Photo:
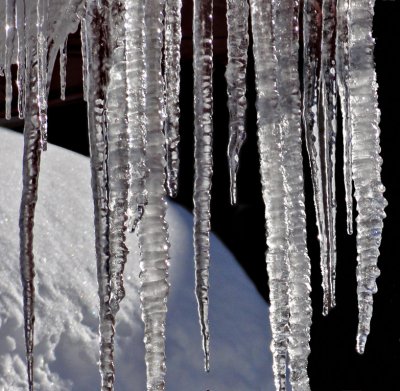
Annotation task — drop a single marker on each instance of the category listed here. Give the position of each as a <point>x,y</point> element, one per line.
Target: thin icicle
<point>9,51</point>
<point>84,58</point>
<point>42,50</point>
<point>237,16</point>
<point>286,33</point>
<point>342,67</point>
<point>20,24</point>
<point>118,158</point>
<point>366,161</point>
<point>270,147</point>
<point>318,102</point>
<point>30,172</point>
<point>136,88</point>
<point>203,112</point>
<point>98,64</point>
<point>153,229</point>
<point>172,54</point>
<point>63,69</point>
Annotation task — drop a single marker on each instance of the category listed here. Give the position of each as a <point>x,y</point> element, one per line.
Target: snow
<point>66,340</point>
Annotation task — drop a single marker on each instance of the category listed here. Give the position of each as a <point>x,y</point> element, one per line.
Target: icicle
<point>270,147</point>
<point>342,61</point>
<point>20,24</point>
<point>42,50</point>
<point>238,42</point>
<point>203,87</point>
<point>30,172</point>
<point>366,161</point>
<point>9,50</point>
<point>84,58</point>
<point>153,229</point>
<point>173,37</point>
<point>98,63</point>
<point>285,15</point>
<point>136,87</point>
<point>63,68</point>
<point>319,105</point>
<point>118,162</point>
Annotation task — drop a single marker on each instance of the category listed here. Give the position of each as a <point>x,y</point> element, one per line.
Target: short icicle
<point>172,55</point>
<point>136,118</point>
<point>286,14</point>
<point>10,8</point>
<point>63,69</point>
<point>42,51</point>
<point>21,58</point>
<point>319,132</point>
<point>366,160</point>
<point>97,80</point>
<point>342,68</point>
<point>203,114</point>
<point>270,147</point>
<point>153,228</point>
<point>237,16</point>
<point>84,58</point>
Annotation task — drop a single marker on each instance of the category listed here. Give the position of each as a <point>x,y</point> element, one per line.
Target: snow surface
<point>66,342</point>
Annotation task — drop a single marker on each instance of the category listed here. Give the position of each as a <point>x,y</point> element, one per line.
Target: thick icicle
<point>42,50</point>
<point>98,63</point>
<point>9,50</point>
<point>136,88</point>
<point>270,147</point>
<point>203,107</point>
<point>237,16</point>
<point>286,32</point>
<point>30,172</point>
<point>63,69</point>
<point>319,105</point>
<point>118,158</point>
<point>172,55</point>
<point>20,24</point>
<point>153,229</point>
<point>342,67</point>
<point>366,161</point>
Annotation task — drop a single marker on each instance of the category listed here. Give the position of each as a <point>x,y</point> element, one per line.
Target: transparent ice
<point>133,121</point>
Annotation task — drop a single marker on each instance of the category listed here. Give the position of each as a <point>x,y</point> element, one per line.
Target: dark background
<point>334,364</point>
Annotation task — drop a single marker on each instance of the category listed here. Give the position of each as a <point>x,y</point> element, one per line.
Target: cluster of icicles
<point>131,67</point>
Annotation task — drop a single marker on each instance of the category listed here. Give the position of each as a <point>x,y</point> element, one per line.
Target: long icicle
<point>270,148</point>
<point>237,16</point>
<point>153,228</point>
<point>172,54</point>
<point>285,15</point>
<point>318,141</point>
<point>137,122</point>
<point>366,161</point>
<point>97,55</point>
<point>203,114</point>
<point>342,67</point>
<point>30,174</point>
<point>328,128</point>
<point>118,162</point>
